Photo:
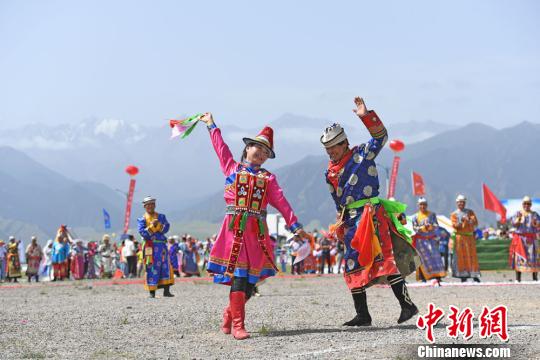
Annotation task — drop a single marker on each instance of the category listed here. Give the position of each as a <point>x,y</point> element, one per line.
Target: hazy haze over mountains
<point>71,173</point>
<point>174,171</point>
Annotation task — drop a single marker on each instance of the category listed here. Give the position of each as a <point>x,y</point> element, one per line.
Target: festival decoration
<point>182,128</point>
<point>132,171</point>
<point>396,146</point>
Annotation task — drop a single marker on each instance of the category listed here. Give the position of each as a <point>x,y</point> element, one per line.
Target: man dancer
<point>153,227</point>
<point>364,223</point>
<point>465,260</point>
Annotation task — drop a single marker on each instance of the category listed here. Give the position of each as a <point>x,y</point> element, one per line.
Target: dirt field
<point>294,318</point>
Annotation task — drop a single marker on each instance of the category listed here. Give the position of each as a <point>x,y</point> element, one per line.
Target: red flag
<point>492,203</point>
<point>419,189</point>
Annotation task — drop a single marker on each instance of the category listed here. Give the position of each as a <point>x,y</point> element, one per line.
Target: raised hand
<point>207,119</point>
<point>361,108</point>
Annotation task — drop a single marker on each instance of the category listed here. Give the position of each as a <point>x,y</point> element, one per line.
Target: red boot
<point>238,312</point>
<point>227,320</point>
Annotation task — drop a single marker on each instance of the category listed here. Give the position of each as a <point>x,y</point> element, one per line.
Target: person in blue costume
<point>173,254</point>
<point>376,252</point>
<point>426,242</point>
<point>159,271</point>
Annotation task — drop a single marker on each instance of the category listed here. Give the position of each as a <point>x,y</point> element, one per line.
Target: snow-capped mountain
<point>91,132</point>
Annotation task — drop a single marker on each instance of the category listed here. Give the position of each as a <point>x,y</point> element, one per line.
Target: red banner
<point>393,177</point>
<point>492,203</point>
<point>419,189</point>
<point>128,205</point>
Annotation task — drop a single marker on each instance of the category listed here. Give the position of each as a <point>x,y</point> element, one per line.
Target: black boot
<point>362,317</point>
<point>152,294</point>
<point>518,276</point>
<point>408,309</point>
<point>535,276</point>
<point>463,280</point>
<point>476,279</point>
<point>167,292</point>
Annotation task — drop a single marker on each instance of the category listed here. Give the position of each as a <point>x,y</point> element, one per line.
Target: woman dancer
<point>242,254</point>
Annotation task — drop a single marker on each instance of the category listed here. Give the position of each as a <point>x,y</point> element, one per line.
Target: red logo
<point>493,322</point>
<point>490,322</point>
<point>461,322</point>
<point>429,321</point>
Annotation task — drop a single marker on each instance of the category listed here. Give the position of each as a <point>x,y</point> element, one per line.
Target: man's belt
<point>391,207</point>
<point>232,210</point>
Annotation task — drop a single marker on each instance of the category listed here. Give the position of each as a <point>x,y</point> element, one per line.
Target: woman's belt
<point>232,210</point>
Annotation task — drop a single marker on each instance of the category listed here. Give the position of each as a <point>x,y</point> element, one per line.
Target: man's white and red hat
<point>265,138</point>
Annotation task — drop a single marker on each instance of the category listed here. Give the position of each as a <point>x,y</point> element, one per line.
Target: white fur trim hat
<point>421,200</point>
<point>148,200</point>
<point>333,135</point>
<point>461,198</point>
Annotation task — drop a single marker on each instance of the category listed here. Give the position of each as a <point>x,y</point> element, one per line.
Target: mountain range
<point>67,174</point>
<point>37,200</point>
<point>177,172</point>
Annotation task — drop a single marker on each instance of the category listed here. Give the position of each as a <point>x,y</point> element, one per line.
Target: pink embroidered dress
<point>243,247</point>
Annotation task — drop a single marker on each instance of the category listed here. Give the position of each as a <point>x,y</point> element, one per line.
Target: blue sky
<point>250,62</point>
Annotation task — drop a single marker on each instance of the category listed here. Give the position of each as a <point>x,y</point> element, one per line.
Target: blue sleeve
<point>141,227</point>
<point>434,219</point>
<point>372,148</point>
<point>165,223</point>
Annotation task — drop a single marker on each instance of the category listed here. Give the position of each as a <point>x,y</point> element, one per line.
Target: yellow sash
<point>149,223</point>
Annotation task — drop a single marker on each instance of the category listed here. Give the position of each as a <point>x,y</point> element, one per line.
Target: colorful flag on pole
<point>419,189</point>
<point>492,203</point>
<point>106,219</point>
<point>182,128</point>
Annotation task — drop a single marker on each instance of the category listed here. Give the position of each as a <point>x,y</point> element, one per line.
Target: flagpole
<point>412,183</point>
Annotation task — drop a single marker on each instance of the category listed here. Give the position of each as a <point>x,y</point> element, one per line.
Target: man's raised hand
<point>361,108</point>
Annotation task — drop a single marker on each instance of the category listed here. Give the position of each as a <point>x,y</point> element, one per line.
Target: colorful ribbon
<point>184,127</point>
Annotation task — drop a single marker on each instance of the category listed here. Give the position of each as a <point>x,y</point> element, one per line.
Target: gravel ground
<point>294,318</point>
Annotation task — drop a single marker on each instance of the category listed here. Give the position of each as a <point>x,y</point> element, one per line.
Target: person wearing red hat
<point>243,254</point>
